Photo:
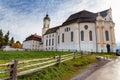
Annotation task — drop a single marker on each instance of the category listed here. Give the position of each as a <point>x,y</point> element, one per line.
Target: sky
<point>25,17</point>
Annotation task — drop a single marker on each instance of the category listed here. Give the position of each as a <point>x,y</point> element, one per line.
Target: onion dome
<point>46,17</point>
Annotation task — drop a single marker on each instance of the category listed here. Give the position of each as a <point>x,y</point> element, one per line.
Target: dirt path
<point>110,71</point>
<point>92,68</point>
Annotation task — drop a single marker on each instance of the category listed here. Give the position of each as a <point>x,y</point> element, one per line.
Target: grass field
<point>65,71</point>
<point>108,55</point>
<point>7,56</point>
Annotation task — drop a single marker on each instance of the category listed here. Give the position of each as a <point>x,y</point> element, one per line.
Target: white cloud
<point>66,9</point>
<point>73,6</point>
<point>22,26</point>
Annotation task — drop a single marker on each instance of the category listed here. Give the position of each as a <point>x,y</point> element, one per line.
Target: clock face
<point>86,26</point>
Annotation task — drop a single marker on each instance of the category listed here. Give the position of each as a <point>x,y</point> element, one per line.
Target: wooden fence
<point>18,68</point>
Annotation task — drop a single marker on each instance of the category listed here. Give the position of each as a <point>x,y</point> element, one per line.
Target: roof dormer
<point>99,17</point>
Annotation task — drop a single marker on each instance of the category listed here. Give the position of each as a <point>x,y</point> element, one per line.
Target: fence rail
<point>19,68</point>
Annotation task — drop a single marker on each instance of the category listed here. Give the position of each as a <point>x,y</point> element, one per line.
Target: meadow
<point>8,56</point>
<point>108,55</point>
<point>65,71</point>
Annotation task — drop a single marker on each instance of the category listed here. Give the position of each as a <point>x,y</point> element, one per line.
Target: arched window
<point>49,42</point>
<point>90,35</point>
<point>58,39</point>
<point>67,29</point>
<point>72,36</point>
<point>107,35</point>
<point>52,41</point>
<point>48,26</point>
<point>46,42</point>
<point>62,37</point>
<point>82,36</point>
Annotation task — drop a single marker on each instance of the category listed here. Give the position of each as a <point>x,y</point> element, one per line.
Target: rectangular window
<point>52,41</point>
<point>52,48</point>
<point>53,35</point>
<point>62,37</point>
<point>71,36</point>
<point>90,35</point>
<point>58,39</point>
<point>107,35</point>
<point>46,42</point>
<point>49,42</point>
<point>82,36</point>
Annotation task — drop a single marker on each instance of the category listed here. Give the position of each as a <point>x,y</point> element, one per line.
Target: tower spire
<point>46,24</point>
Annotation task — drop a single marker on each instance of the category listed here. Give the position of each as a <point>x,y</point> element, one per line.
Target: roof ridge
<point>102,11</point>
<point>81,12</point>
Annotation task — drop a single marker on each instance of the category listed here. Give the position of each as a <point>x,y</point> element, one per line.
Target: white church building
<point>82,31</point>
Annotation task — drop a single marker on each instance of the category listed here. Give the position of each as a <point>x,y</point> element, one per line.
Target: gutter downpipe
<point>96,37</point>
<point>79,35</point>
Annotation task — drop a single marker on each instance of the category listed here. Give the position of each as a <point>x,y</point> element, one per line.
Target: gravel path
<point>92,68</point>
<point>110,71</point>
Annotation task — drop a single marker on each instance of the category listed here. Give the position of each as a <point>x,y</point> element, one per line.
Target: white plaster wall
<point>77,44</point>
<point>88,45</point>
<point>47,37</point>
<point>68,44</point>
<point>32,45</point>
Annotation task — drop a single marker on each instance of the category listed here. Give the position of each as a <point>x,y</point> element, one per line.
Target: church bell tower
<point>46,24</point>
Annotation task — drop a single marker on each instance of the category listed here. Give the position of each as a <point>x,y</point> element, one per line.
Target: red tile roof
<point>52,30</point>
<point>33,37</point>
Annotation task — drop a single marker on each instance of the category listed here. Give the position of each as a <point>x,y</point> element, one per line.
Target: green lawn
<point>65,71</point>
<point>7,56</point>
<point>108,55</point>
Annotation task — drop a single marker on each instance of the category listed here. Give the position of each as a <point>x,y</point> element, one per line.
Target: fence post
<point>13,70</point>
<point>81,54</point>
<point>74,55</point>
<point>58,60</point>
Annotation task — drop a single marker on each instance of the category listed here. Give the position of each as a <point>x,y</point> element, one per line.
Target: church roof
<point>52,30</point>
<point>84,16</point>
<point>33,37</point>
<point>104,13</point>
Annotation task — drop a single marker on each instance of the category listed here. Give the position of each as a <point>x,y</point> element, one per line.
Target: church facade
<point>82,31</point>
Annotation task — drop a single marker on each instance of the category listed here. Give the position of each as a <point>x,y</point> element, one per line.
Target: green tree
<point>11,41</point>
<point>1,38</point>
<point>6,38</point>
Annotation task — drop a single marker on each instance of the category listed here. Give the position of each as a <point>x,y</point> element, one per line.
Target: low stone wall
<point>7,48</point>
